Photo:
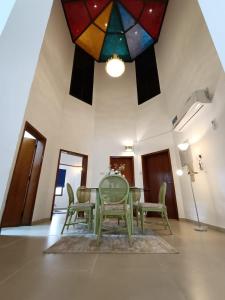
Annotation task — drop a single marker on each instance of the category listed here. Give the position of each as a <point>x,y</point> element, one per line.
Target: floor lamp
<point>199,227</point>
<point>186,158</point>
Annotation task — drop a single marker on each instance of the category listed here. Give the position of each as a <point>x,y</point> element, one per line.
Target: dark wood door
<point>33,185</point>
<point>128,162</point>
<point>19,184</point>
<point>157,169</point>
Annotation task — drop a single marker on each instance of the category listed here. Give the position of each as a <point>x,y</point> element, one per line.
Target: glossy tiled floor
<point>197,273</point>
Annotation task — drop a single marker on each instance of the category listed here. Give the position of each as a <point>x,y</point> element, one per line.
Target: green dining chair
<point>159,207</point>
<point>113,199</point>
<point>84,199</point>
<point>83,205</point>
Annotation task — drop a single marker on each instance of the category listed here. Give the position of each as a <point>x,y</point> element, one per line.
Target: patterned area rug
<point>114,240</point>
<point>112,244</point>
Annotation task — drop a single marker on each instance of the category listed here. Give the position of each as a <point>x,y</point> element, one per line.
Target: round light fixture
<point>115,67</point>
<point>179,172</point>
<point>183,146</point>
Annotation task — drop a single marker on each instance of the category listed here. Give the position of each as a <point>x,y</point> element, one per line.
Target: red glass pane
<point>134,7</point>
<point>95,7</point>
<point>77,17</point>
<point>152,17</point>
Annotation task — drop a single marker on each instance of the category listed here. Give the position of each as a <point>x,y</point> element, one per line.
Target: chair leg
<point>89,219</point>
<point>128,223</point>
<point>99,229</point>
<point>64,224</point>
<point>75,218</point>
<point>164,220</point>
<point>142,221</point>
<point>92,218</point>
<point>70,217</point>
<point>167,221</point>
<point>137,220</point>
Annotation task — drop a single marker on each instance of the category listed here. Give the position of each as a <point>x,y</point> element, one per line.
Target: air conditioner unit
<point>191,108</point>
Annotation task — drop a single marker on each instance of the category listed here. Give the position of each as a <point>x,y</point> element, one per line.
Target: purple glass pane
<point>138,40</point>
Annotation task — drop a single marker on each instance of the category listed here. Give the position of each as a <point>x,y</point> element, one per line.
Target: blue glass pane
<point>61,176</point>
<point>138,40</point>
<point>127,19</point>
<point>115,44</point>
<point>115,24</point>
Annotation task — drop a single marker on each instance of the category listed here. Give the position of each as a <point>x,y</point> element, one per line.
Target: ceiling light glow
<point>115,67</point>
<point>183,146</point>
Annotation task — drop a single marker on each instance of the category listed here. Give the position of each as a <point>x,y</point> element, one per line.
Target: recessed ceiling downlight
<point>115,67</point>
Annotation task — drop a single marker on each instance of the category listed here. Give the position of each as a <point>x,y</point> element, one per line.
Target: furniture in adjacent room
<point>159,207</point>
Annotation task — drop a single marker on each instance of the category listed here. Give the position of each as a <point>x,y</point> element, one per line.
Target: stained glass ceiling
<point>123,27</point>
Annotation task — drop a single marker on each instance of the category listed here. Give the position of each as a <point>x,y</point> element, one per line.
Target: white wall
<point>213,12</point>
<point>187,61</point>
<point>20,44</point>
<point>5,10</point>
<point>115,103</point>
<point>66,122</point>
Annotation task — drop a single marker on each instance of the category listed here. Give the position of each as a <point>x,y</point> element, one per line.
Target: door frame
<point>42,140</point>
<point>132,160</point>
<point>144,172</point>
<point>83,175</point>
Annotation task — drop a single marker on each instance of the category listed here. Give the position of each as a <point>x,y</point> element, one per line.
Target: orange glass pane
<point>91,41</point>
<point>103,20</point>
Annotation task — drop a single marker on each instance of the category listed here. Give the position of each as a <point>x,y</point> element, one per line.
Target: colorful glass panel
<point>138,40</point>
<point>91,41</point>
<point>127,19</point>
<point>115,44</point>
<point>152,17</point>
<point>103,20</point>
<point>135,7</point>
<point>95,7</point>
<point>115,24</point>
<point>97,25</point>
<point>78,22</point>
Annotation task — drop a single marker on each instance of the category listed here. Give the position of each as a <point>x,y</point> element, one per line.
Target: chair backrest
<point>113,189</point>
<point>162,193</point>
<point>136,194</point>
<point>70,193</point>
<point>83,194</point>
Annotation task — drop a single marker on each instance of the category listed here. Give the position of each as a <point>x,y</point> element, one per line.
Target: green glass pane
<point>115,44</point>
<point>115,24</point>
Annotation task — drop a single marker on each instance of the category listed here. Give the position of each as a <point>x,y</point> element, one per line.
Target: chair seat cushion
<point>83,206</point>
<point>114,209</point>
<point>149,206</point>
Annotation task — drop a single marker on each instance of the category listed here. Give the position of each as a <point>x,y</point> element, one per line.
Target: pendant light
<point>115,66</point>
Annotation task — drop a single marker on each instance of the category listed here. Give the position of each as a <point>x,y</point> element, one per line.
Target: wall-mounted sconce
<point>180,172</point>
<point>183,146</point>
<point>129,148</point>
<point>200,163</point>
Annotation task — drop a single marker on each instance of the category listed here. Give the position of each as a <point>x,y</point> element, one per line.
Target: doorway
<point>128,163</point>
<point>157,169</point>
<point>24,183</point>
<point>72,168</point>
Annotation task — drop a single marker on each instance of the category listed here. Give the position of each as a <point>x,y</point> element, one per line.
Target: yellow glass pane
<point>91,41</point>
<point>103,20</point>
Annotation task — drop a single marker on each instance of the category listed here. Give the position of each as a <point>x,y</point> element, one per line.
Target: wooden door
<point>19,184</point>
<point>156,169</point>
<point>128,162</point>
<point>33,185</point>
